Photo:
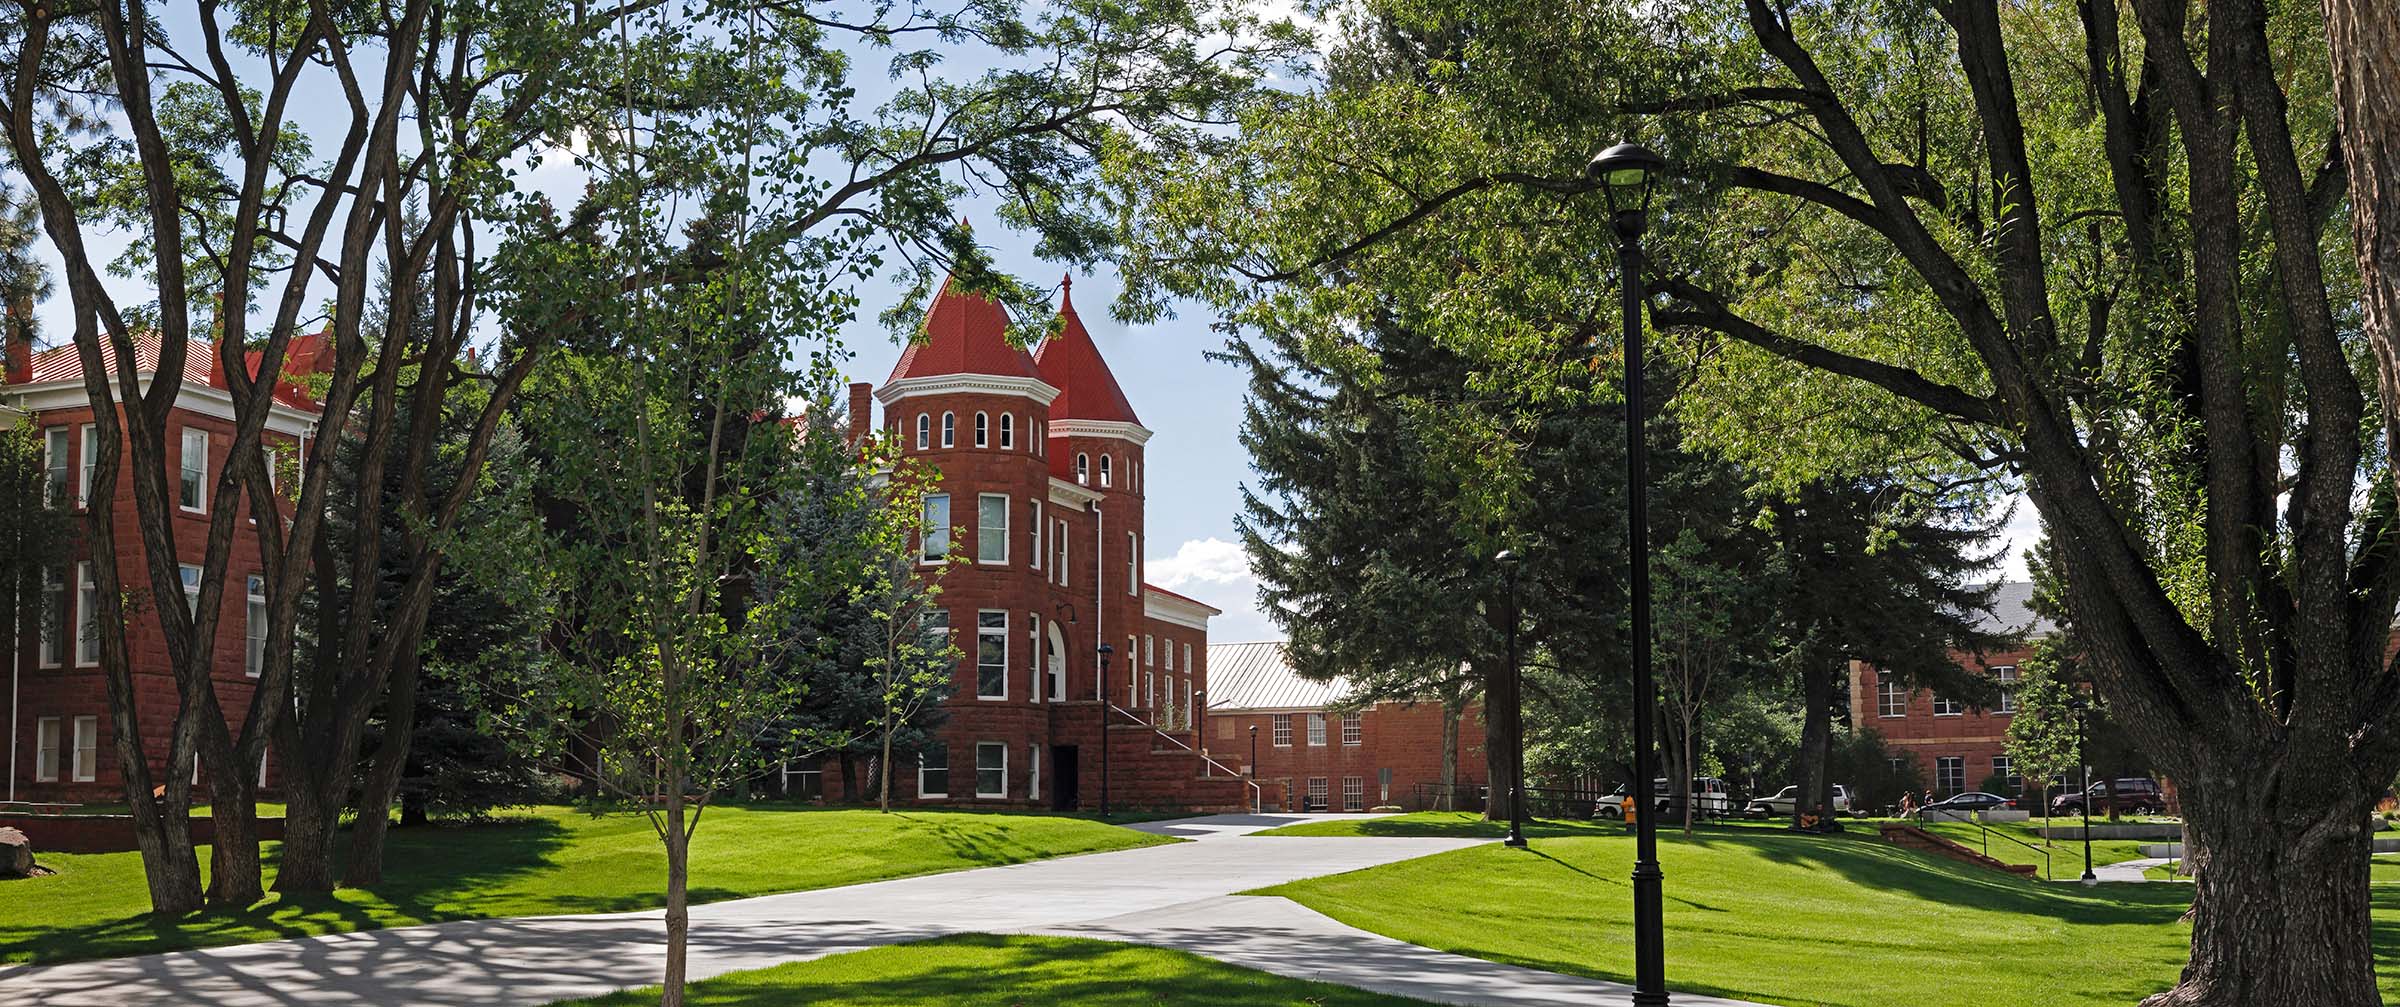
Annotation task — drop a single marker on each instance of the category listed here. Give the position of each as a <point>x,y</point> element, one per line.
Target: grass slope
<point>548,861</point>
<point>1783,918</point>
<point>987,969</point>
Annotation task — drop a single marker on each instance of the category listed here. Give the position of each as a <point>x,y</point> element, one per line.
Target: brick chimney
<point>862,411</point>
<point>17,331</point>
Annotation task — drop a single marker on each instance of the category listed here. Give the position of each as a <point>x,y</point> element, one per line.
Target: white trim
<point>1119,429</point>
<point>1002,793</point>
<point>56,750</point>
<point>1066,493</point>
<point>1007,522</point>
<point>82,771</point>
<point>999,632</point>
<point>85,614</point>
<point>924,794</point>
<point>972,384</point>
<point>206,400</point>
<point>183,466</point>
<point>1167,608</point>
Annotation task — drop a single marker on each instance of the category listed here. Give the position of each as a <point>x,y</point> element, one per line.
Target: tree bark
<point>1816,744</point>
<point>1500,727</point>
<point>679,916</point>
<point>1450,716</point>
<point>383,774</point>
<point>2364,39</point>
<point>234,878</point>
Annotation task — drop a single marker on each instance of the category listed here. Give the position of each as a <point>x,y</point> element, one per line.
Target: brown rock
<point>16,854</point>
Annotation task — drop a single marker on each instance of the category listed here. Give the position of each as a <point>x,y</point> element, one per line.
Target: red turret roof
<point>964,334</point>
<point>1070,362</point>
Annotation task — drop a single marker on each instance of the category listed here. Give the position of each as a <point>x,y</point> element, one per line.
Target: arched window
<point>1103,470</point>
<point>1008,431</point>
<point>1083,467</point>
<point>949,430</point>
<point>924,431</point>
<point>983,430</point>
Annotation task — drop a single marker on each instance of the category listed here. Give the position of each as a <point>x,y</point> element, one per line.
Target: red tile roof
<point>1071,362</point>
<point>964,334</point>
<point>306,354</point>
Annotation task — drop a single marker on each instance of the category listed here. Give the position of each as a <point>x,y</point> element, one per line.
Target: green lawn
<point>546,861</point>
<point>1767,915</point>
<point>986,969</point>
<point>1445,824</point>
<point>2066,855</point>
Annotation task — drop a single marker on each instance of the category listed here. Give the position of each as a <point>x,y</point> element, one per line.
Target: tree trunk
<point>2280,904</point>
<point>1450,715</point>
<point>1816,741</point>
<point>384,771</point>
<point>1684,779</point>
<point>679,916</point>
<point>883,766</point>
<point>2365,41</point>
<point>1500,724</point>
<point>310,821</point>
<point>234,879</point>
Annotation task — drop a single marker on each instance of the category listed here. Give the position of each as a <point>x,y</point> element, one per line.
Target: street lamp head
<point>1627,173</point>
<point>1254,730</point>
<point>1507,557</point>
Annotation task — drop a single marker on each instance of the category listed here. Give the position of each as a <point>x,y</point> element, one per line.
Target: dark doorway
<point>1064,792</point>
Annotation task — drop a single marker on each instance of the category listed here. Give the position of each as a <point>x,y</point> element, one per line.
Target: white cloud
<point>1216,572</point>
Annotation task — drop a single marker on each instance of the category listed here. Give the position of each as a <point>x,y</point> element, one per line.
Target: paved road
<point>1171,896</point>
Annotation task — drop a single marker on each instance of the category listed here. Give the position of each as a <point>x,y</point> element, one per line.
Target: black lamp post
<point>1105,651</point>
<point>1255,793</point>
<point>1508,562</point>
<point>2083,717</point>
<point>1628,174</point>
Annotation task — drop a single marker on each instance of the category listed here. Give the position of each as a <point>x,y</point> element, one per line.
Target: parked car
<point>1710,799</point>
<point>1780,803</point>
<point>1971,801</point>
<point>2135,795</point>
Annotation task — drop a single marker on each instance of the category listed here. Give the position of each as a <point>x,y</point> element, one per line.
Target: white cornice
<point>1067,494</point>
<point>967,384</point>
<point>203,399</point>
<point>1181,611</point>
<point>9,416</point>
<point>1120,429</point>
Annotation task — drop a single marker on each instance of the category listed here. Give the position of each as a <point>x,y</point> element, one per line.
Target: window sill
<point>990,797</point>
<point>991,699</point>
<point>1891,716</point>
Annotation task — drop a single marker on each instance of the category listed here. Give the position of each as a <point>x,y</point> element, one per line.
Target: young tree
<point>2041,735</point>
<point>239,229</point>
<point>1708,628</point>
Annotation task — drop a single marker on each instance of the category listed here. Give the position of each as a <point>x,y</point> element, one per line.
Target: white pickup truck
<point>1780,803</point>
<point>1710,799</point>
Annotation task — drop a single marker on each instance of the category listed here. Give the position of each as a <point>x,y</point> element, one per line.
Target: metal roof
<point>2012,611</point>
<point>1254,676</point>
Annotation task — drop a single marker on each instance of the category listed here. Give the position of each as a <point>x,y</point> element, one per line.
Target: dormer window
<point>924,431</point>
<point>949,430</point>
<point>1083,468</point>
<point>1008,431</point>
<point>1104,471</point>
<point>983,430</point>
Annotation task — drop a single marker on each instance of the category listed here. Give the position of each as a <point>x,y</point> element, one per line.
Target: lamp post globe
<point>1105,707</point>
<point>1628,176</point>
<point>1508,562</point>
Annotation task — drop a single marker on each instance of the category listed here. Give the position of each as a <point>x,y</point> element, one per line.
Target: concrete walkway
<point>1175,896</point>
<point>2128,870</point>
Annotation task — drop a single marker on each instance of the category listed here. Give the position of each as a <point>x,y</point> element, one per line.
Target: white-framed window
<point>1133,560</point>
<point>54,617</point>
<point>1282,725</point>
<point>1008,431</point>
<point>1354,793</point>
<point>1891,698</point>
<point>1149,649</point>
<point>924,431</point>
<point>87,615</point>
<point>1061,568</point>
<point>1167,655</point>
<point>991,769</point>
<point>1033,771</point>
<point>1033,661</point>
<point>936,533</point>
<point>191,588</point>
<point>1040,447</point>
<point>1187,659</point>
<point>991,655</point>
<point>1150,689</point>
<point>1944,706</point>
<point>949,430</point>
<point>254,636</point>
<point>1383,783</point>
<point>91,459</point>
<point>1897,765</point>
<point>2006,769</point>
<point>983,430</point>
<point>192,490</point>
<point>934,628</point>
<point>1033,535</point>
<point>2006,675</point>
<point>1316,730</point>
<point>55,465</point>
<point>1083,468</point>
<point>1354,730</point>
<point>933,771</point>
<point>1104,471</point>
<point>87,749</point>
<point>991,528</point>
<point>1316,794</point>
<point>1950,774</point>
<point>45,750</point>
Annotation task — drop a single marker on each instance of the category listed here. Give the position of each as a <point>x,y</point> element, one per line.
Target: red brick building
<point>1957,745</point>
<point>61,744</point>
<point>1042,479</point>
<point>1316,757</point>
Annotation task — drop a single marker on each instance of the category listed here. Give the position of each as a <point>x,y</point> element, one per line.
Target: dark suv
<point>2135,795</point>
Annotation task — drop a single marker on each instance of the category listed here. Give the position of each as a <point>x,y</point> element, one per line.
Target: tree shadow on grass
<point>1871,863</point>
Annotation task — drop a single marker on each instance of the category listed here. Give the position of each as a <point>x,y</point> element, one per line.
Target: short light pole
<point>1508,563</point>
<point>1105,706</point>
<point>1628,175</point>
<point>2082,717</point>
<point>1257,797</point>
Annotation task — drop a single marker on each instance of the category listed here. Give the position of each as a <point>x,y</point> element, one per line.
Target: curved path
<point>1176,896</point>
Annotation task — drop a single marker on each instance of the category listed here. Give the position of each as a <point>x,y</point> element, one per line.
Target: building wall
<point>1974,736</point>
<point>73,688</point>
<point>1405,739</point>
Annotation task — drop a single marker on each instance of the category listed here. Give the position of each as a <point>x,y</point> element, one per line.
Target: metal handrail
<point>1257,793</point>
<point>1987,846</point>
